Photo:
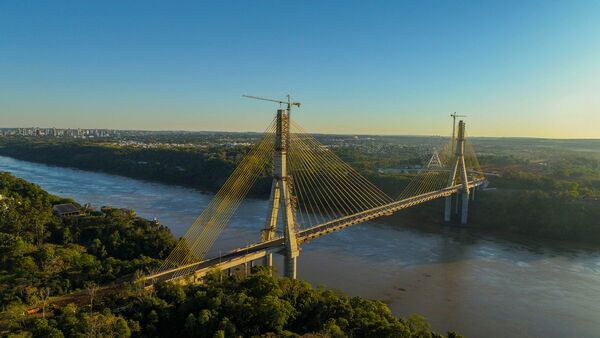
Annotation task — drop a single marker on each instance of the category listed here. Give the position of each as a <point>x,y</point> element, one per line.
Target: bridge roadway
<point>193,272</point>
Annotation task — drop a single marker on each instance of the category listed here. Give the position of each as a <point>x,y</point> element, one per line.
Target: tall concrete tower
<point>281,198</point>
<point>458,169</point>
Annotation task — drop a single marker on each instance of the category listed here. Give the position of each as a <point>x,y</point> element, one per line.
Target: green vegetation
<point>40,251</point>
<point>546,188</point>
<point>541,205</point>
<point>46,258</point>
<point>251,306</point>
<point>199,168</point>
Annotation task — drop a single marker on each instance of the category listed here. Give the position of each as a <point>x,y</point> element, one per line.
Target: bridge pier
<point>268,260</point>
<point>291,244</point>
<point>290,265</point>
<point>271,224</point>
<point>464,208</point>
<point>448,209</point>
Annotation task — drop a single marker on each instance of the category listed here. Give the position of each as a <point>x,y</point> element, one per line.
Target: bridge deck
<point>259,250</point>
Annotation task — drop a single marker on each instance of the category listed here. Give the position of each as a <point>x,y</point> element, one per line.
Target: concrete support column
<point>464,208</point>
<point>271,224</point>
<point>268,260</point>
<point>456,203</point>
<point>290,264</point>
<point>448,209</point>
<point>289,235</point>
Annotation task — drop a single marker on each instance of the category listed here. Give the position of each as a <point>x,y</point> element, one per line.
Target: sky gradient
<point>516,68</point>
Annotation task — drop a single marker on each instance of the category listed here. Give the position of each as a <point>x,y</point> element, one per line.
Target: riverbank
<point>524,204</point>
<point>60,266</point>
<point>459,279</point>
<point>204,170</point>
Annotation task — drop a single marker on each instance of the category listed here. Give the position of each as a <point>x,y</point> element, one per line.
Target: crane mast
<point>454,116</point>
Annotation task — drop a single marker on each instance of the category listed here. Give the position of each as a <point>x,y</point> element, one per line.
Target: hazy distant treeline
<point>205,169</point>
<point>544,192</point>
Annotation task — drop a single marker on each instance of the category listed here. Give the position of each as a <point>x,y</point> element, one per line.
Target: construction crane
<point>454,116</point>
<point>289,102</point>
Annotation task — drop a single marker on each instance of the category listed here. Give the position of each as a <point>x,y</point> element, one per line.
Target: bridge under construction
<point>313,193</point>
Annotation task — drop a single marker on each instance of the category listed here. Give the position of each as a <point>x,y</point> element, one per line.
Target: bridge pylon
<point>281,198</point>
<point>458,169</point>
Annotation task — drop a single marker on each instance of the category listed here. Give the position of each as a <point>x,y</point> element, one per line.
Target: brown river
<point>478,285</point>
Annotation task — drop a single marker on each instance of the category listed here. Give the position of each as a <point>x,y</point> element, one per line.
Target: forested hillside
<point>41,252</point>
<point>54,274</point>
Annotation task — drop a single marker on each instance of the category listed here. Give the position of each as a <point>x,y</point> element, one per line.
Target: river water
<point>478,285</point>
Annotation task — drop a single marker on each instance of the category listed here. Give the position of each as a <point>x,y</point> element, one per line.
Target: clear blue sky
<point>517,68</point>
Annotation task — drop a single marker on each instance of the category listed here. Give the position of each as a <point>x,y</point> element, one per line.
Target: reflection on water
<point>477,285</point>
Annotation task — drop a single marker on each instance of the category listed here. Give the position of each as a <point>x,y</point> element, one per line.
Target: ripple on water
<point>522,264</point>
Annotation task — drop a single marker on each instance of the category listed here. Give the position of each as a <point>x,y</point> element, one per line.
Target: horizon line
<point>317,133</point>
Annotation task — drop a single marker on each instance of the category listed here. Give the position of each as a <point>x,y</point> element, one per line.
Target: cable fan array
<point>324,186</point>
<point>471,160</point>
<point>201,235</point>
<point>435,177</point>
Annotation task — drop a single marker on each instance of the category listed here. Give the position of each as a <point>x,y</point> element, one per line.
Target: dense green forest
<point>200,168</point>
<point>257,305</point>
<point>545,188</point>
<point>52,270</point>
<point>41,252</point>
<point>540,204</point>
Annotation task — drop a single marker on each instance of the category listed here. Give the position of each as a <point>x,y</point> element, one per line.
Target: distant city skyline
<point>516,69</point>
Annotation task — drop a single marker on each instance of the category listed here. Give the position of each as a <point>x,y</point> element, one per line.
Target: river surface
<point>478,285</point>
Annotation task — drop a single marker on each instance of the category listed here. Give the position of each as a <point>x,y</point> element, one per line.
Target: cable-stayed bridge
<point>313,193</point>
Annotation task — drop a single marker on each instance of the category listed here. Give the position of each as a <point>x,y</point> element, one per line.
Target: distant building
<point>67,209</point>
